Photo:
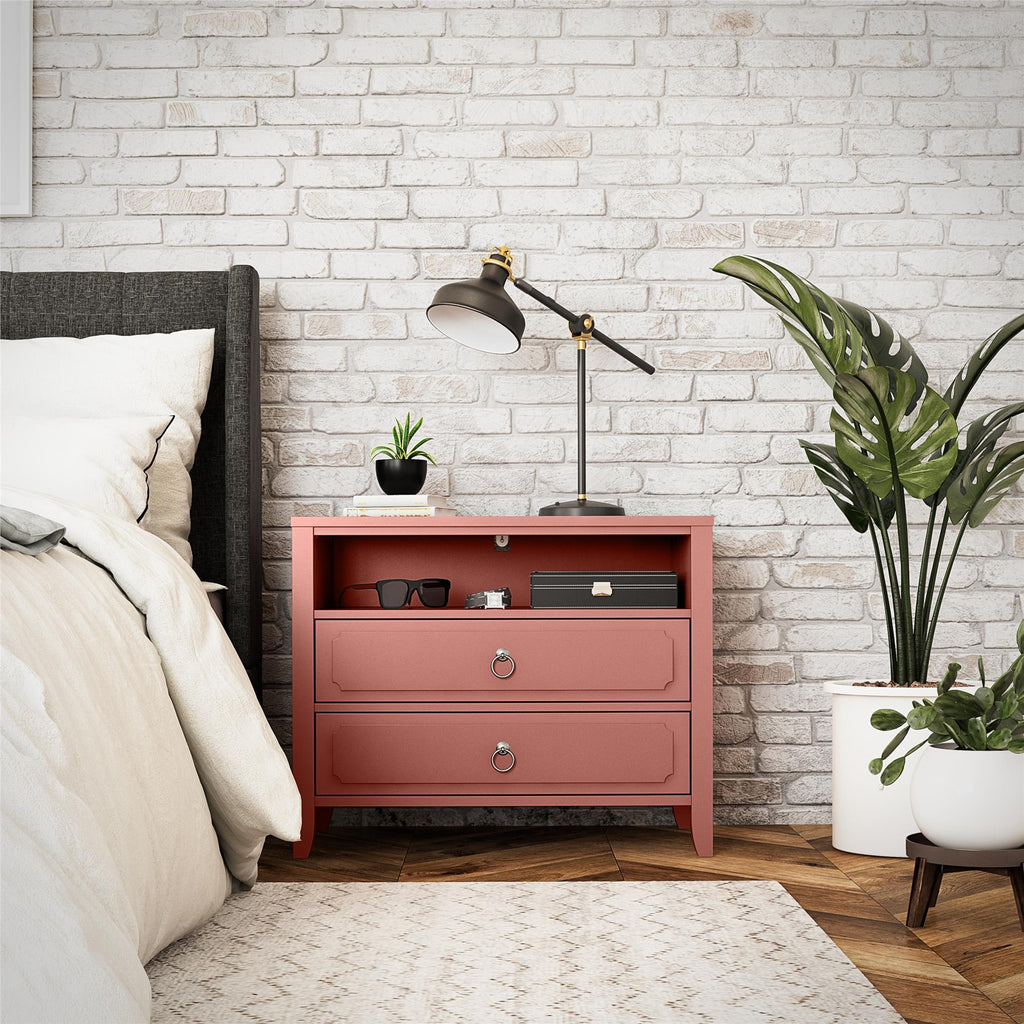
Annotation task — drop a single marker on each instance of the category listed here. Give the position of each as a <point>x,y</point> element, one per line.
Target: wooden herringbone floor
<point>966,966</point>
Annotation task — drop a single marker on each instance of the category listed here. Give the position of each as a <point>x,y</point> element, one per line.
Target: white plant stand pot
<point>969,799</point>
<point>867,818</point>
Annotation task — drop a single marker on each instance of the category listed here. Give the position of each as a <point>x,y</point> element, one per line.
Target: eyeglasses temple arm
<point>355,586</point>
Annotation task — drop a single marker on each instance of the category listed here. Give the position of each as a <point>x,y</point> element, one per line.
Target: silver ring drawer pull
<point>502,655</point>
<point>505,750</point>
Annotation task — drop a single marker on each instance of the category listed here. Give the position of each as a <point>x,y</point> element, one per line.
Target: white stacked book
<point>399,505</point>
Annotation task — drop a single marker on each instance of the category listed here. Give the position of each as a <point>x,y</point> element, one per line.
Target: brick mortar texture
<point>360,156</point>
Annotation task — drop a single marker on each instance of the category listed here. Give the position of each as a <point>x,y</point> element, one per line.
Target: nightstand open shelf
<point>411,707</point>
<point>514,612</point>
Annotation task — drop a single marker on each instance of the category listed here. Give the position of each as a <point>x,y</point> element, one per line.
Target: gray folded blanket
<point>24,531</point>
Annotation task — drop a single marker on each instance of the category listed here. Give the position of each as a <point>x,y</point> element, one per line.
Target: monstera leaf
<point>984,482</point>
<point>885,346</point>
<point>815,321</point>
<point>885,446</point>
<point>962,384</point>
<point>852,497</point>
<point>980,439</point>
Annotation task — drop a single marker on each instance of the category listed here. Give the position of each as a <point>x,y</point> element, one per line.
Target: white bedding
<point>139,772</point>
<point>162,375</point>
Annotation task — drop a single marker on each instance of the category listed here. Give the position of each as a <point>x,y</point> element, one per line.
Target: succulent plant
<point>991,718</point>
<point>402,434</point>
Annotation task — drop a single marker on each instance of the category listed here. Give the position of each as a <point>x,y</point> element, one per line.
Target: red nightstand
<point>410,708</point>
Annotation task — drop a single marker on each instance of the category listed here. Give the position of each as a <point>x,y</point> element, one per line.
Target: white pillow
<point>97,463</point>
<point>110,375</point>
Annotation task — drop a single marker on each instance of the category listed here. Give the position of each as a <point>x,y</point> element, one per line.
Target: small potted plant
<point>404,468</point>
<point>896,441</point>
<point>967,791</point>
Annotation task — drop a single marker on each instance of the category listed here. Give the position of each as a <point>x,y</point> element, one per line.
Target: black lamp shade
<point>479,313</point>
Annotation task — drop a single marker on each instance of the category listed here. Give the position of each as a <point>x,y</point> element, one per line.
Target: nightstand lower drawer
<point>461,753</point>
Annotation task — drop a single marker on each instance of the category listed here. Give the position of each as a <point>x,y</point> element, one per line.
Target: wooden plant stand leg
<point>932,862</point>
<point>924,884</point>
<point>936,884</point>
<point>915,886</point>
<point>1017,881</point>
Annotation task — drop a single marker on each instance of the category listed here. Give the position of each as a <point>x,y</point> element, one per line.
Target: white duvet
<point>139,772</point>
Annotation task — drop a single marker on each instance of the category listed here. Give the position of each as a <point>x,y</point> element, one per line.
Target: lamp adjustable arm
<point>569,316</point>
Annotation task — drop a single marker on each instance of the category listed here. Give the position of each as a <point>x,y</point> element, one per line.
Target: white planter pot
<point>969,799</point>
<point>867,818</point>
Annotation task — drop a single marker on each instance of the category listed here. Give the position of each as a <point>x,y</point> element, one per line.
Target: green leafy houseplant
<point>991,718</point>
<point>896,438</point>
<point>403,448</point>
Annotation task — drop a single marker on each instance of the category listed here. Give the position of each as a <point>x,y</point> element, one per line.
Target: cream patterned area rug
<point>518,952</point>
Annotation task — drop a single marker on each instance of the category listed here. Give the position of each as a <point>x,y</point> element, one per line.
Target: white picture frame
<point>15,108</point>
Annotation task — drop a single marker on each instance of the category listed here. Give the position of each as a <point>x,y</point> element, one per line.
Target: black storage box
<point>616,589</point>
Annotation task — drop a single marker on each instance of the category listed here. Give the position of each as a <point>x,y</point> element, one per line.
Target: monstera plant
<point>896,438</point>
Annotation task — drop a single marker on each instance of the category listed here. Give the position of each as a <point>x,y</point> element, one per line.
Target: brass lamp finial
<point>500,256</point>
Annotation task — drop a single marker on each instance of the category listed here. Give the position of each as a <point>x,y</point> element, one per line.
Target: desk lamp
<point>480,314</point>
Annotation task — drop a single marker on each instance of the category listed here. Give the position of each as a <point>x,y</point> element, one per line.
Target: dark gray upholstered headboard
<point>226,527</point>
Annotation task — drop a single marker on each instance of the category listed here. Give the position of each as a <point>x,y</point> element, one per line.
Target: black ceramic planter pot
<point>401,476</point>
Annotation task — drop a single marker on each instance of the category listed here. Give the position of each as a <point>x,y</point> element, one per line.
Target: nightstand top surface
<point>505,524</point>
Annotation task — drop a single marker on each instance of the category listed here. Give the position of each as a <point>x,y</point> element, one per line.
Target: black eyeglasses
<point>433,593</point>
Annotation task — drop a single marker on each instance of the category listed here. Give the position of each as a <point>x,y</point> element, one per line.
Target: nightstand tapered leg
<point>702,830</point>
<point>699,826</point>
<point>300,850</point>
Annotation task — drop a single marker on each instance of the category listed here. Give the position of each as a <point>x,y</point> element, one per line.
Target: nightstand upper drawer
<point>461,660</point>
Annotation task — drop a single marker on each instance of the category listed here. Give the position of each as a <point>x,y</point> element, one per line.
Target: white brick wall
<point>361,155</point>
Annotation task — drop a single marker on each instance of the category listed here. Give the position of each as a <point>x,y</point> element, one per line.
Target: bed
<point>226,526</point>
<point>140,775</point>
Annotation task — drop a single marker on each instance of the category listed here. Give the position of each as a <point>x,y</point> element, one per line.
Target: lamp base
<point>582,508</point>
